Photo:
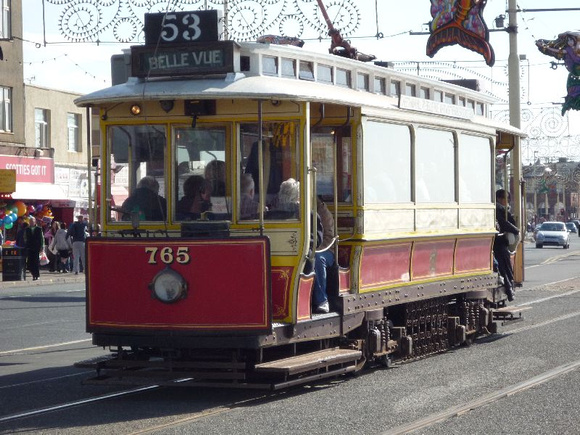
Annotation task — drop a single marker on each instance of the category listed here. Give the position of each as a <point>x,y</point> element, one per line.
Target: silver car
<point>553,233</point>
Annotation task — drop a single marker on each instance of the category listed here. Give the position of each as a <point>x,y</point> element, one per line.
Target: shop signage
<point>30,169</point>
<point>7,180</point>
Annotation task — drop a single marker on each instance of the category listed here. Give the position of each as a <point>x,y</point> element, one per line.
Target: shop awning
<point>44,191</point>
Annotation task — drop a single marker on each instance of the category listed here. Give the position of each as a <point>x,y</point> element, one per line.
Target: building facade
<point>42,136</point>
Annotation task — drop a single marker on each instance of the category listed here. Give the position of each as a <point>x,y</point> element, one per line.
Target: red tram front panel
<point>178,284</point>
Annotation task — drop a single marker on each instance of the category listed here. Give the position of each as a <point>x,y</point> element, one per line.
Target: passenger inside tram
<point>145,201</point>
<point>196,199</point>
<point>248,204</point>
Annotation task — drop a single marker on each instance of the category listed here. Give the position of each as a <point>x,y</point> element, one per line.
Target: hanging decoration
<point>459,22</point>
<point>102,21</point>
<point>566,47</point>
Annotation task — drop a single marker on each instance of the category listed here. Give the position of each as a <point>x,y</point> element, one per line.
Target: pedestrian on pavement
<point>78,234</point>
<point>63,248</point>
<point>34,242</point>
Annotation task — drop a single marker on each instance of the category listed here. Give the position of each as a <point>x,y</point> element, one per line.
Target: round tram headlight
<point>135,109</point>
<point>168,286</point>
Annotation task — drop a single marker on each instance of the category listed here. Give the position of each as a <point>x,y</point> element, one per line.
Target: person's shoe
<point>510,295</point>
<point>76,273</point>
<point>322,308</point>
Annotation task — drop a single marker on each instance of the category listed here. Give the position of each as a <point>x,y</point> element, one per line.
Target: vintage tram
<point>211,294</point>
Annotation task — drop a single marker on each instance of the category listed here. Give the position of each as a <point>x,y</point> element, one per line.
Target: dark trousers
<point>504,265</point>
<point>34,263</point>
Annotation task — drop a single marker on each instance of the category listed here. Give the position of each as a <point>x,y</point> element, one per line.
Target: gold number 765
<point>167,255</point>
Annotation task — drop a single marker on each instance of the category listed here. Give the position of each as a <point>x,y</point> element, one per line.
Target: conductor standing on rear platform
<point>506,224</point>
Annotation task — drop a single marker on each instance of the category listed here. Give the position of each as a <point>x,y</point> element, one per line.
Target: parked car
<point>553,233</point>
<point>571,227</point>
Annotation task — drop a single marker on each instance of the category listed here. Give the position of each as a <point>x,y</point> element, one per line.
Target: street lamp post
<point>515,120</point>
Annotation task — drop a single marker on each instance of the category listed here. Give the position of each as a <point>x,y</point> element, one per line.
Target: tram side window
<point>475,168</point>
<point>137,188</point>
<point>201,168</point>
<point>326,147</point>
<point>387,163</point>
<point>280,163</point>
<point>434,166</point>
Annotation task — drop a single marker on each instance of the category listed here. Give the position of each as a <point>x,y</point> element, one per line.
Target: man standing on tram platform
<point>501,252</point>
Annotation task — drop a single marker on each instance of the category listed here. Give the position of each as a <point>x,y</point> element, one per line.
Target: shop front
<point>35,194</point>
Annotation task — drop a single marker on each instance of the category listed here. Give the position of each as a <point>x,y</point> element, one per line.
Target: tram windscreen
<point>202,166</point>
<point>137,188</point>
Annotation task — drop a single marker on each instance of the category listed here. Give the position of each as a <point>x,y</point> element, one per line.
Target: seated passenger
<point>287,202</point>
<point>248,205</point>
<point>146,201</point>
<point>215,174</point>
<point>197,196</point>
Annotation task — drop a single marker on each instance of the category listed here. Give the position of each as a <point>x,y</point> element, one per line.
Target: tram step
<point>509,313</point>
<point>310,361</point>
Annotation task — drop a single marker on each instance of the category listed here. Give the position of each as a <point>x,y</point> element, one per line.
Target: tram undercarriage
<point>327,346</point>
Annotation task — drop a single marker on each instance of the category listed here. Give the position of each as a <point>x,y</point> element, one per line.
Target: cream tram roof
<point>260,83</point>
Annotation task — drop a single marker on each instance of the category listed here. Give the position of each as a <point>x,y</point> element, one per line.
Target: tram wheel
<point>386,361</point>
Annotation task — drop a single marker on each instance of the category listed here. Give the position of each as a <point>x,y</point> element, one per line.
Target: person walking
<point>34,242</point>
<point>61,244</point>
<point>78,233</point>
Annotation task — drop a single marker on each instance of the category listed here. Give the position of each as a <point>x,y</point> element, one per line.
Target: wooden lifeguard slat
<point>310,361</point>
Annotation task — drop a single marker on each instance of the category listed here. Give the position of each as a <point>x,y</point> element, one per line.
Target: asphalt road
<point>522,380</point>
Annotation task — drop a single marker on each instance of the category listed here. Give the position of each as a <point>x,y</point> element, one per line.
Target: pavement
<point>46,278</point>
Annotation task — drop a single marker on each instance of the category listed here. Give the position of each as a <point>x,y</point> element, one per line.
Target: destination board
<point>185,59</point>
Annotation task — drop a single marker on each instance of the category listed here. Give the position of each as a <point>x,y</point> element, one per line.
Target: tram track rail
<point>484,400</point>
<point>414,426</point>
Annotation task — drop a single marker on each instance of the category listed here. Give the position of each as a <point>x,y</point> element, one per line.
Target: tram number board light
<point>185,59</point>
<point>179,27</point>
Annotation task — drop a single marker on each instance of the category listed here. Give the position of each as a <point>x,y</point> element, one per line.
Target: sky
<point>85,67</point>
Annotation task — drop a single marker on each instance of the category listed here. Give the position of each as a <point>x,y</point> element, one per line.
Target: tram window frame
<point>449,98</point>
<point>125,173</point>
<point>216,181</point>
<point>410,89</point>
<point>434,166</point>
<point>380,86</point>
<point>438,95</point>
<point>343,78</point>
<point>322,140</point>
<point>424,93</point>
<point>270,65</point>
<point>475,168</point>
<point>288,68</point>
<point>395,88</point>
<point>363,82</point>
<point>247,152</point>
<point>387,160</point>
<point>324,74</point>
<point>306,71</point>
<point>480,109</point>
